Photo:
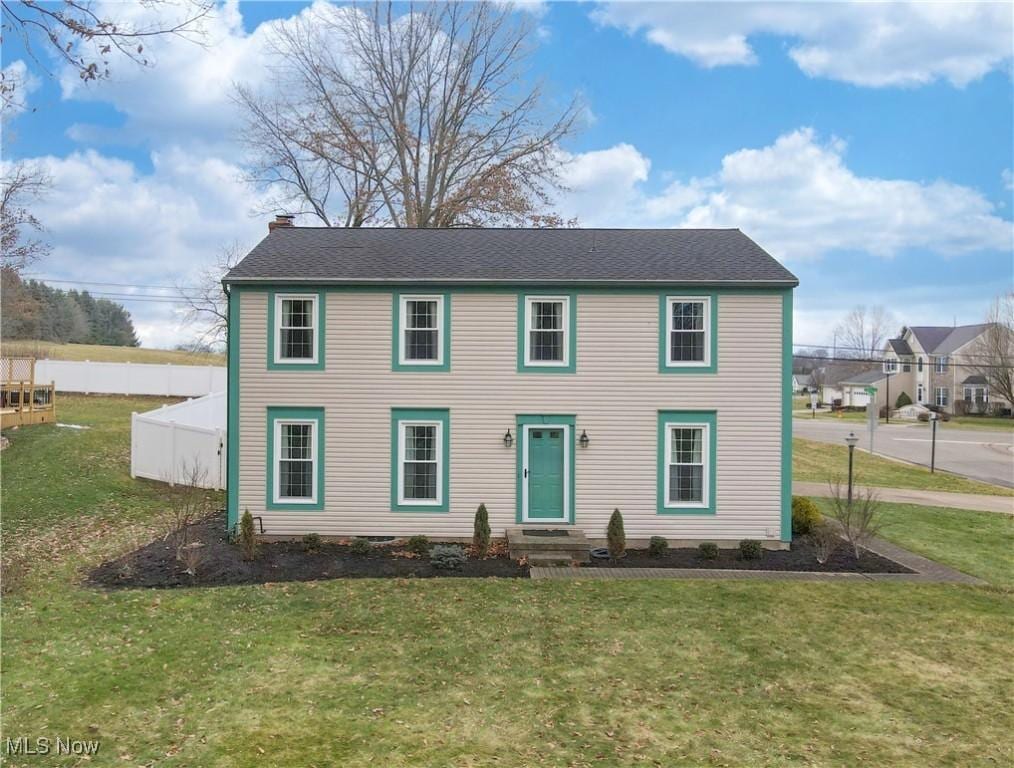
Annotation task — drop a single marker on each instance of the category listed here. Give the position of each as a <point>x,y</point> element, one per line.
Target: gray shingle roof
<point>866,377</point>
<point>945,339</point>
<point>900,347</point>
<point>318,254</point>
<point>976,379</point>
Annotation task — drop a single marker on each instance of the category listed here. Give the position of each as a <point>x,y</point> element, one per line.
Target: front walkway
<point>926,571</point>
<point>1002,504</point>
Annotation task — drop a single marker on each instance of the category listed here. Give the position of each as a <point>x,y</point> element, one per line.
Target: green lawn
<point>107,354</point>
<point>474,673</point>
<point>815,462</point>
<point>987,423</point>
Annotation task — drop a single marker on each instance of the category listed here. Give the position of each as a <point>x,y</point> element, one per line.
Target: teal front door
<point>545,473</point>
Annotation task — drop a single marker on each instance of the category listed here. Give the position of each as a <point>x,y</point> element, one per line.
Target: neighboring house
<point>388,381</point>
<point>802,384</point>
<point>855,389</point>
<point>934,365</point>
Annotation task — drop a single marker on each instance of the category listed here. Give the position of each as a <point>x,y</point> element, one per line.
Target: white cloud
<point>110,223</point>
<point>869,44</point>
<point>796,197</point>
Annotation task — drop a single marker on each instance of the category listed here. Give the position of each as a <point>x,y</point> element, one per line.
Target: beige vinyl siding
<point>615,395</point>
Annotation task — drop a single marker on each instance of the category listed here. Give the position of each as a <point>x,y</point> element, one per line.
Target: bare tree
<point>21,184</point>
<point>992,354</point>
<point>863,332</point>
<point>417,120</point>
<point>859,517</point>
<point>85,35</point>
<point>206,302</point>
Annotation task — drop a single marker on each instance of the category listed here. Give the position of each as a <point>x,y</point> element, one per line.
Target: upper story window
<point>687,343</point>
<point>919,365</point>
<point>941,364</point>
<point>421,329</point>
<point>546,333</point>
<point>890,365</point>
<point>906,366</point>
<point>296,332</point>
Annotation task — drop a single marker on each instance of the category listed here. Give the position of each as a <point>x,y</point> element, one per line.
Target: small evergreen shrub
<point>805,516</point>
<point>480,534</point>
<point>311,542</point>
<point>247,538</point>
<point>750,549</point>
<point>903,400</point>
<point>360,546</point>
<point>658,546</point>
<point>447,557</point>
<point>708,550</point>
<point>616,537</point>
<point>420,545</point>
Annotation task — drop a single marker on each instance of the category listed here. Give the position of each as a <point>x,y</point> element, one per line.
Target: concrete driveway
<point>986,456</point>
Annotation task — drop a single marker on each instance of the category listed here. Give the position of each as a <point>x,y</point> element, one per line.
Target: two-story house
<point>388,381</point>
<point>936,366</point>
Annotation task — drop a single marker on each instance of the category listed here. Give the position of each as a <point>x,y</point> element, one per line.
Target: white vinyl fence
<point>167,443</point>
<point>132,378</point>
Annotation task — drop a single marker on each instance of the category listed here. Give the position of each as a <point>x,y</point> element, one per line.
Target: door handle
<point>526,472</point>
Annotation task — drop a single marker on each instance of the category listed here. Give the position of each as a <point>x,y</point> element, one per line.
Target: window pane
<point>297,343</point>
<point>297,313</point>
<point>420,443</point>
<point>421,314</point>
<point>547,315</point>
<point>686,445</point>
<point>296,479</point>
<point>687,346</point>
<point>688,316</point>
<point>420,345</point>
<point>686,484</point>
<point>546,345</point>
<point>296,441</point>
<point>421,480</point>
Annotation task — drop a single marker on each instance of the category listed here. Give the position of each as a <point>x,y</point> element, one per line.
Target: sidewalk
<point>1001,504</point>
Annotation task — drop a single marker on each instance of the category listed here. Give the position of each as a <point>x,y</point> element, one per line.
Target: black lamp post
<point>934,418</point>
<point>851,441</point>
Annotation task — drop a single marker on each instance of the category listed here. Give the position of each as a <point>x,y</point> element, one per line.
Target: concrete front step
<point>544,559</point>
<point>530,540</point>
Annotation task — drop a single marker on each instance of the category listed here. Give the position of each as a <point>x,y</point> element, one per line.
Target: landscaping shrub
<point>658,546</point>
<point>825,541</point>
<point>616,537</point>
<point>480,532</point>
<point>903,400</point>
<point>708,550</point>
<point>805,515</point>
<point>447,557</point>
<point>311,542</point>
<point>859,518</point>
<point>192,555</point>
<point>247,539</point>
<point>750,549</point>
<point>420,545</point>
<point>360,546</point>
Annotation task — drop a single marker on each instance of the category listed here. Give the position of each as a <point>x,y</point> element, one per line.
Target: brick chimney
<point>281,220</point>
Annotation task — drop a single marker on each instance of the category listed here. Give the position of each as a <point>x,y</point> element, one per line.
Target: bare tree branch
<point>22,183</point>
<point>992,354</point>
<point>206,302</point>
<point>864,331</point>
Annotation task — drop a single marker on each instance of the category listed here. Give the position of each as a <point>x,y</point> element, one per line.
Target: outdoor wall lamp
<point>584,438</point>
<point>508,439</point>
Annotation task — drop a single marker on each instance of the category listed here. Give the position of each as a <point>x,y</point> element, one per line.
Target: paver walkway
<point>926,571</point>
<point>1001,504</point>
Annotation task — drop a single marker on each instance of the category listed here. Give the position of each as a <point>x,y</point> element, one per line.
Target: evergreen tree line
<point>34,310</point>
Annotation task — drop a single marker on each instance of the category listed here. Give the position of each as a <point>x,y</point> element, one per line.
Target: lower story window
<point>295,447</point>
<point>686,462</point>
<point>941,398</point>
<point>420,457</point>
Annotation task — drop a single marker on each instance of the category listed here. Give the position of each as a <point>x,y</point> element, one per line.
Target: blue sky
<point>867,147</point>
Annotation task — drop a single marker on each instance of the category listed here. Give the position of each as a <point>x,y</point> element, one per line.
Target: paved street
<point>987,456</point>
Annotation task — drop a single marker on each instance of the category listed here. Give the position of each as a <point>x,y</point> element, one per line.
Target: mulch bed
<point>155,565</point>
<point>800,558</point>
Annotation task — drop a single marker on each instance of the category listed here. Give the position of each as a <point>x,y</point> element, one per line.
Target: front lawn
<point>440,672</point>
<point>814,461</point>
<point>985,423</point>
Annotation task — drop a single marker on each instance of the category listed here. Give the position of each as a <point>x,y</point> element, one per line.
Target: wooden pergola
<point>22,400</point>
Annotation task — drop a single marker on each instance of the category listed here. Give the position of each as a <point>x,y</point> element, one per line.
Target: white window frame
<point>565,316</point>
<point>669,330</point>
<point>940,364</point>
<point>890,365</point>
<point>705,501</point>
<point>315,328</point>
<point>439,453</point>
<point>946,397</point>
<point>277,468</point>
<point>404,329</point>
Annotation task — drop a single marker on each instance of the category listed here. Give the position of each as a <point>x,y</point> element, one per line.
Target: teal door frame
<point>525,423</point>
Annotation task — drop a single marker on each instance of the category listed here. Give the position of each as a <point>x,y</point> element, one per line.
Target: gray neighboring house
<point>934,365</point>
<point>388,381</point>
